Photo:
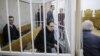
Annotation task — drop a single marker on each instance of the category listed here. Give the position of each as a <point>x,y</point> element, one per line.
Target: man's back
<point>91,44</point>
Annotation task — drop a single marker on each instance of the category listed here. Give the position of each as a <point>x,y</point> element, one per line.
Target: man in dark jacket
<point>50,13</point>
<point>14,33</point>
<point>91,42</point>
<point>50,40</point>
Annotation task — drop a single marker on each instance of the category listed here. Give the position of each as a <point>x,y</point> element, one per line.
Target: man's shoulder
<point>49,12</point>
<point>5,25</point>
<point>42,30</point>
<point>14,26</point>
<point>95,37</point>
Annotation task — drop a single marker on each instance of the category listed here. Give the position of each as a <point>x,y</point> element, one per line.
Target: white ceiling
<point>37,1</point>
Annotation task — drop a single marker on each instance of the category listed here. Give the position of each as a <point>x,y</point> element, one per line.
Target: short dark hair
<point>50,21</point>
<point>11,17</point>
<point>51,6</point>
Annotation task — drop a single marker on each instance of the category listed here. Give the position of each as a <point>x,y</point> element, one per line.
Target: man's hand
<point>56,46</point>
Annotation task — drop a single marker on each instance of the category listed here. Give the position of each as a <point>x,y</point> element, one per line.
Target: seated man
<point>50,40</point>
<point>91,42</point>
<point>14,33</point>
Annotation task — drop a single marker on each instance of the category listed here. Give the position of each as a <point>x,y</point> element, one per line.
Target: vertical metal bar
<point>57,9</point>
<point>67,20</point>
<point>0,46</point>
<point>44,25</point>
<point>19,17</point>
<point>78,27</point>
<point>7,10</point>
<point>73,9</point>
<point>40,16</point>
<point>31,16</point>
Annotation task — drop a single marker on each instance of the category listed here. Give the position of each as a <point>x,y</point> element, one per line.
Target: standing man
<point>50,13</point>
<point>38,18</point>
<point>14,33</point>
<point>61,17</point>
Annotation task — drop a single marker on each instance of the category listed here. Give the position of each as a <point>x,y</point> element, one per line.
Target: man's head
<point>50,25</point>
<point>52,7</point>
<point>11,20</point>
<point>61,10</point>
<point>87,25</point>
<point>38,10</point>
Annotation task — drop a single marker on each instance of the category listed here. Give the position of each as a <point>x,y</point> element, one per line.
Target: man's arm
<point>53,42</point>
<point>39,40</point>
<point>5,33</point>
<point>17,32</point>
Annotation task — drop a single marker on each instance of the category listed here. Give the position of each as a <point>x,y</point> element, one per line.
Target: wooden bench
<point>25,29</point>
<point>25,40</point>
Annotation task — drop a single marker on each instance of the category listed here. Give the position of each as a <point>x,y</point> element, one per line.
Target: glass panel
<point>63,20</point>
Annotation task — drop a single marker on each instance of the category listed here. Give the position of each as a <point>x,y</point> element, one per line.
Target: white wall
<point>2,14</point>
<point>13,11</point>
<point>25,13</point>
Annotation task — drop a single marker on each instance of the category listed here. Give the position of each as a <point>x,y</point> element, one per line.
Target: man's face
<point>50,26</point>
<point>53,8</point>
<point>11,21</point>
<point>61,10</point>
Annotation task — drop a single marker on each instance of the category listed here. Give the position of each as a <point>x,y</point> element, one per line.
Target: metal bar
<point>73,9</point>
<point>57,9</point>
<point>7,10</point>
<point>30,54</point>
<point>67,18</point>
<point>44,25</point>
<point>31,16</point>
<point>40,17</point>
<point>19,17</point>
<point>0,46</point>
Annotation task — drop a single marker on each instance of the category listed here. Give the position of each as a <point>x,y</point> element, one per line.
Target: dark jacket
<point>50,40</point>
<point>61,16</point>
<point>50,15</point>
<point>38,16</point>
<point>91,44</point>
<point>13,33</point>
